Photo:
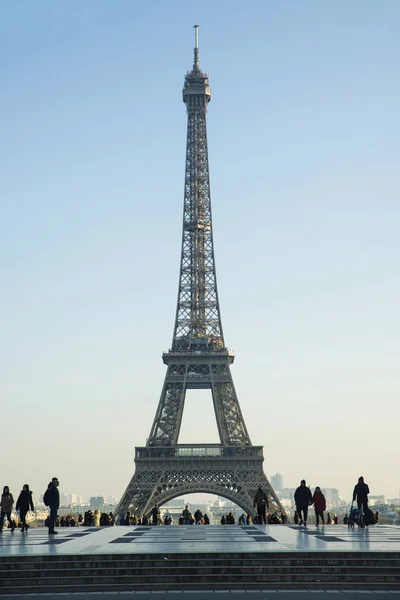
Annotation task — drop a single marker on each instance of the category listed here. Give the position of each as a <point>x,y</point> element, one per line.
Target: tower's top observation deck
<point>196,82</point>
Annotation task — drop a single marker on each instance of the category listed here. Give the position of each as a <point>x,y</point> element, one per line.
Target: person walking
<point>6,506</point>
<point>51,499</point>
<point>24,503</point>
<point>360,493</point>
<point>302,499</point>
<point>319,502</point>
<point>261,502</point>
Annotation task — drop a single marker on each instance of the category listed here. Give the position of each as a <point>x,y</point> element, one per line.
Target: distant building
<point>277,481</point>
<point>65,499</point>
<point>111,500</point>
<point>331,496</point>
<point>376,500</point>
<point>76,499</point>
<point>286,493</point>
<point>96,501</point>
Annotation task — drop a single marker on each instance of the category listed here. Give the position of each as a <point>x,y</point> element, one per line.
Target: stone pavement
<point>191,538</point>
<point>220,595</point>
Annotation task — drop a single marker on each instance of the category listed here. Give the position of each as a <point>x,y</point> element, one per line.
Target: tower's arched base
<point>163,473</point>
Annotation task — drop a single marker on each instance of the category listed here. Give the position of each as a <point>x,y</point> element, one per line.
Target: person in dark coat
<point>53,502</point>
<point>186,515</point>
<point>198,515</point>
<point>6,506</point>
<point>261,501</point>
<point>319,502</point>
<point>302,499</point>
<point>206,519</point>
<point>230,519</point>
<point>24,503</point>
<point>360,493</point>
<point>155,513</point>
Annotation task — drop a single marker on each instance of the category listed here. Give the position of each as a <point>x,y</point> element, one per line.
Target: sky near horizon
<point>303,133</point>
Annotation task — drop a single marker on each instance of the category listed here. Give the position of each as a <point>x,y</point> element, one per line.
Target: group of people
<point>303,498</point>
<point>64,521</point>
<point>186,518</point>
<point>24,504</point>
<point>132,519</point>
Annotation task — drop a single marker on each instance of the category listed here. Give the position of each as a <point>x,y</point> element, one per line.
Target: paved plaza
<point>191,538</point>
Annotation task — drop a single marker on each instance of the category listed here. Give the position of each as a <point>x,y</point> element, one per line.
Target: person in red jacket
<point>319,502</point>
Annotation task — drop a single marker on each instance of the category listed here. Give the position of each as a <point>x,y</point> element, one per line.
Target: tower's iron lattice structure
<point>198,358</point>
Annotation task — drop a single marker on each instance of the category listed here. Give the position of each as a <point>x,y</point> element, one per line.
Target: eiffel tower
<point>198,358</point>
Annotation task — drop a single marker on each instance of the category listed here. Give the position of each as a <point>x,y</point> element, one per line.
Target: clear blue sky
<point>304,147</point>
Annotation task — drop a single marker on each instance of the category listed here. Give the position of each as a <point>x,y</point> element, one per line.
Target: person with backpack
<point>6,506</point>
<point>51,499</point>
<point>302,499</point>
<point>24,503</point>
<point>319,502</point>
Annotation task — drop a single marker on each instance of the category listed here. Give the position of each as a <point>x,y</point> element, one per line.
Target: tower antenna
<point>196,63</point>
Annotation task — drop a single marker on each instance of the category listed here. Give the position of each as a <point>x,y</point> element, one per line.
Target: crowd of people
<point>186,518</point>
<point>303,498</point>
<point>90,519</point>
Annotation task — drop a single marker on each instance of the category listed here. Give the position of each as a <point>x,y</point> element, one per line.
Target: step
<point>35,574</point>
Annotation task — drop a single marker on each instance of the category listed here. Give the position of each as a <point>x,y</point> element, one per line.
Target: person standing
<point>24,503</point>
<point>198,515</point>
<point>186,515</point>
<point>155,513</point>
<point>360,493</point>
<point>302,499</point>
<point>319,502</point>
<point>51,499</point>
<point>6,506</point>
<point>261,502</point>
